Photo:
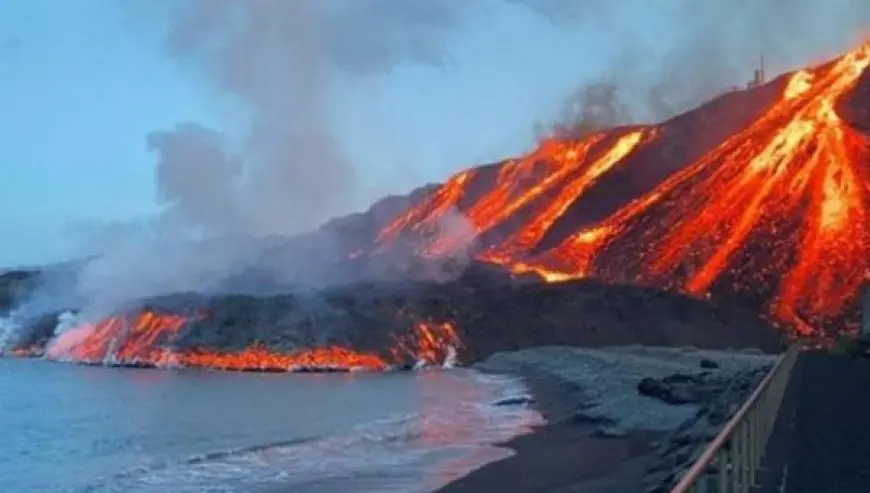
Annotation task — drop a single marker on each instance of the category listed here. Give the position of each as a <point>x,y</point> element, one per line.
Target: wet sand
<point>566,455</point>
<point>566,458</point>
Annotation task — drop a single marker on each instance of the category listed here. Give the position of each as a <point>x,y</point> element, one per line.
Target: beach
<point>601,434</point>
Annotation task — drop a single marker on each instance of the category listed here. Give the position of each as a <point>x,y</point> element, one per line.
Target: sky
<point>84,84</point>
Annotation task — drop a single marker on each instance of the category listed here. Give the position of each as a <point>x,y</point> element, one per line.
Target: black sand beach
<point>567,454</point>
<point>601,435</point>
<point>564,457</point>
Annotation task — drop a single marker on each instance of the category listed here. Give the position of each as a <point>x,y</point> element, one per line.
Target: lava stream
<point>519,182</point>
<point>531,233</point>
<point>143,340</point>
<point>793,185</point>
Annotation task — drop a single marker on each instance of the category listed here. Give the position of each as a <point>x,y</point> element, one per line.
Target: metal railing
<point>731,460</point>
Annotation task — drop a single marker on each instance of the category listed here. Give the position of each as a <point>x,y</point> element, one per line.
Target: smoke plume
<point>279,59</point>
<point>668,57</point>
<point>225,199</point>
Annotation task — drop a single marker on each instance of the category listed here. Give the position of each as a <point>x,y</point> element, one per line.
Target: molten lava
<point>117,339</point>
<point>778,211</point>
<point>566,169</point>
<point>145,339</point>
<point>429,344</point>
<point>257,357</point>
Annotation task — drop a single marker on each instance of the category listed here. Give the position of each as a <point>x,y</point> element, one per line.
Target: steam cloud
<point>278,58</point>
<point>289,174</point>
<point>685,52</point>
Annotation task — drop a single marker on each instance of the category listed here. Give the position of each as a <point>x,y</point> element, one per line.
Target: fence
<point>730,462</point>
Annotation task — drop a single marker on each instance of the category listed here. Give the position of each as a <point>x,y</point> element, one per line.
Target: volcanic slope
<point>762,194</point>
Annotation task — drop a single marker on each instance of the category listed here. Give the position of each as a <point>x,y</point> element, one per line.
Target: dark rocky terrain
<point>490,310</point>
<point>719,397</point>
<point>14,285</point>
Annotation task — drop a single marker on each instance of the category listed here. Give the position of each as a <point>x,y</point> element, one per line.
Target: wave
<point>441,442</point>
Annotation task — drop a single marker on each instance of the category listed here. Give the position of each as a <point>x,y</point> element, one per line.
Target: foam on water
<point>403,453</point>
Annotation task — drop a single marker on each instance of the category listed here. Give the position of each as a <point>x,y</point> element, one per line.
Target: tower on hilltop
<point>758,77</point>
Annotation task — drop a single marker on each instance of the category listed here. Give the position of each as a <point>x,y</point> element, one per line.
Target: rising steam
<point>684,52</point>
<point>289,174</point>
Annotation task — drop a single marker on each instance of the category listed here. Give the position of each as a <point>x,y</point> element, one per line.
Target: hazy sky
<point>82,83</point>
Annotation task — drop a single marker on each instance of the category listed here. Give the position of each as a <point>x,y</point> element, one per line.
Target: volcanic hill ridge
<point>761,193</point>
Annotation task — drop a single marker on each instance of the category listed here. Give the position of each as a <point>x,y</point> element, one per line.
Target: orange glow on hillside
<point>780,208</point>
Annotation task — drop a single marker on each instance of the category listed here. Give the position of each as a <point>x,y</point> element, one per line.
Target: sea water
<point>69,428</point>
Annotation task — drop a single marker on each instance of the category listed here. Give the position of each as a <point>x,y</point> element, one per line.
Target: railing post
<point>747,454</point>
<point>756,442</point>
<point>736,459</point>
<point>722,459</point>
<point>758,448</point>
<point>750,423</point>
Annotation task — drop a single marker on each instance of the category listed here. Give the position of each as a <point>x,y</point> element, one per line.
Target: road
<point>821,442</point>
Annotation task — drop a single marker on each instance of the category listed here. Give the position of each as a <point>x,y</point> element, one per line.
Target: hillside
<point>761,194</point>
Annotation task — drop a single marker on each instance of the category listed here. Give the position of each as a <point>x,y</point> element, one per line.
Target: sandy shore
<point>601,436</point>
<point>565,455</point>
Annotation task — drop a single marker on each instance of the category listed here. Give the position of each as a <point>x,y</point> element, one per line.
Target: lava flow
<point>565,169</point>
<point>776,212</point>
<point>145,339</point>
<point>779,207</point>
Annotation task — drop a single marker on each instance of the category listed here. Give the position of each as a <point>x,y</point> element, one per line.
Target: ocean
<point>79,429</point>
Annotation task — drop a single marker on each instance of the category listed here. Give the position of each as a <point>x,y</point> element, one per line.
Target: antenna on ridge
<point>762,78</point>
<point>758,76</point>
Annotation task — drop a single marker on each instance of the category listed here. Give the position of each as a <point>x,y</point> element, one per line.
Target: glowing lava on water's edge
<point>144,339</point>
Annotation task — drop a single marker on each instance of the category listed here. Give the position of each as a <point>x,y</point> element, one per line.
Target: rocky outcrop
<point>14,284</point>
<point>677,451</point>
<point>686,395</point>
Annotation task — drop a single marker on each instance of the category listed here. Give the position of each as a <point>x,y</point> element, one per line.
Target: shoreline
<point>567,453</point>
<point>585,446</point>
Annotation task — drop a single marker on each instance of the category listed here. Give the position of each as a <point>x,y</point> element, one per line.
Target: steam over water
<point>84,429</point>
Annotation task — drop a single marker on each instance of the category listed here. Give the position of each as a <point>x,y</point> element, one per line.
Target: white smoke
<point>10,331</point>
<point>668,57</point>
<point>462,235</point>
<point>74,332</point>
<point>279,59</point>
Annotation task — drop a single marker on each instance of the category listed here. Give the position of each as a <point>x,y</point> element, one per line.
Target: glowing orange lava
<point>565,168</point>
<point>145,339</point>
<point>429,343</point>
<point>779,209</point>
<point>438,204</point>
<point>257,357</point>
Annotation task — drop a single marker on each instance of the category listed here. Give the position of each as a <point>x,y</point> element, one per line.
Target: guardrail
<point>730,461</point>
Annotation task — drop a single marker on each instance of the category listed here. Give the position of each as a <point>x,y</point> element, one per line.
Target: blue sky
<point>83,82</point>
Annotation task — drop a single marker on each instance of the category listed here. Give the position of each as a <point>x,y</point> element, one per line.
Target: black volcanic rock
<point>492,312</point>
